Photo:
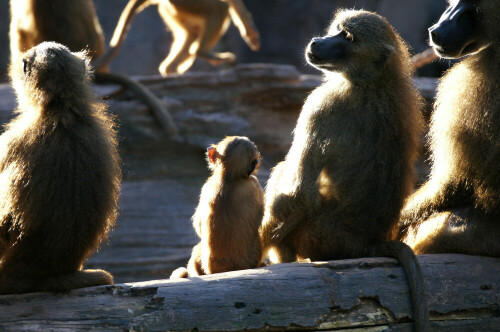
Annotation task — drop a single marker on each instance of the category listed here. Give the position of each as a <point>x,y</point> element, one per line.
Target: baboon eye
<point>25,65</point>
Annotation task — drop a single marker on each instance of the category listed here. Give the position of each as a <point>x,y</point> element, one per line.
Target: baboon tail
<point>409,262</point>
<point>78,279</point>
<point>180,272</point>
<point>155,105</point>
<point>131,9</point>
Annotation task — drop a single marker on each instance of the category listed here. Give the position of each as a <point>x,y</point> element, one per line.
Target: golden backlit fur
<point>458,209</point>
<point>350,167</point>
<point>340,189</point>
<point>196,25</point>
<point>74,23</point>
<point>71,23</point>
<point>229,213</point>
<point>59,175</point>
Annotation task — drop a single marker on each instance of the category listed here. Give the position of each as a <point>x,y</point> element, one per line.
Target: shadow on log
<point>368,294</point>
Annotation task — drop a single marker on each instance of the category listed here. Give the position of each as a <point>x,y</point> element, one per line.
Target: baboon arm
<point>305,171</point>
<point>433,196</point>
<point>301,199</point>
<point>194,265</point>
<point>243,20</point>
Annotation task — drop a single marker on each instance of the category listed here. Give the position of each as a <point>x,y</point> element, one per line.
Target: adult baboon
<point>196,25</point>
<point>59,175</point>
<point>340,189</point>
<point>458,209</point>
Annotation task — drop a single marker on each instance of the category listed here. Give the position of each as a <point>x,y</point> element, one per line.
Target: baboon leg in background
<point>243,20</point>
<point>185,36</point>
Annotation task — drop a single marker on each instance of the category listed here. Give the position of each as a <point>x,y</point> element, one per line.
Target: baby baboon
<point>458,209</point>
<point>196,25</point>
<point>339,191</point>
<point>73,23</point>
<point>228,216</point>
<point>59,175</point>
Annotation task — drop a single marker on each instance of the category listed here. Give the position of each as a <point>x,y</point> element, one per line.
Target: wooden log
<point>368,294</point>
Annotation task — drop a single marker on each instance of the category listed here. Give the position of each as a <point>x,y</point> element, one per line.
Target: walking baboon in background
<point>196,25</point>
<point>73,23</point>
<point>458,209</point>
<point>59,175</point>
<point>229,213</point>
<point>339,191</point>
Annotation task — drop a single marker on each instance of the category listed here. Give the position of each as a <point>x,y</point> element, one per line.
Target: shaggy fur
<point>59,176</point>
<point>228,216</point>
<point>458,209</point>
<point>350,167</point>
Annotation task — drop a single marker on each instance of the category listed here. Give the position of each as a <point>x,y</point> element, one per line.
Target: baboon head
<point>49,74</point>
<point>236,155</point>
<point>467,26</point>
<point>358,43</point>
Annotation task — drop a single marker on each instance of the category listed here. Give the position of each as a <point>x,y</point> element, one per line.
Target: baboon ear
<point>212,154</point>
<point>386,53</point>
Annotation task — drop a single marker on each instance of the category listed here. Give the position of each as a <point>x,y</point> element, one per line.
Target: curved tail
<point>133,7</point>
<point>159,111</point>
<point>409,262</point>
<point>78,279</point>
<point>180,272</point>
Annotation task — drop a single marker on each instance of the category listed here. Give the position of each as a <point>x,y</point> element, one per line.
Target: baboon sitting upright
<point>458,208</point>
<point>340,189</point>
<point>229,213</point>
<point>59,175</point>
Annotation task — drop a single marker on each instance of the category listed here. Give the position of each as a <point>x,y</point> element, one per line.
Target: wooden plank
<point>359,294</point>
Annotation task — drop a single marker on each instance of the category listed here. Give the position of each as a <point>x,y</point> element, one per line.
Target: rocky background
<point>286,26</point>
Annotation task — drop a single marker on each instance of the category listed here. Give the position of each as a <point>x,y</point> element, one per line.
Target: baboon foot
<point>217,59</point>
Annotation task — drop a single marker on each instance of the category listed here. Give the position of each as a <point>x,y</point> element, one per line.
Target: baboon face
<point>236,154</point>
<point>457,32</point>
<point>49,70</point>
<point>466,27</point>
<point>355,41</point>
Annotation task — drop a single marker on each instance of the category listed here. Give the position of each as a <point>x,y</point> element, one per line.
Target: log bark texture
<point>368,294</point>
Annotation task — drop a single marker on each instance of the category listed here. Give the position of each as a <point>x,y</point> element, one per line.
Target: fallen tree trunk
<point>369,294</point>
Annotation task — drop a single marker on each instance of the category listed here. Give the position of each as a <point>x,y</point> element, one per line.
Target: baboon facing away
<point>229,213</point>
<point>73,23</point>
<point>196,25</point>
<point>339,191</point>
<point>59,175</point>
<point>458,208</point>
